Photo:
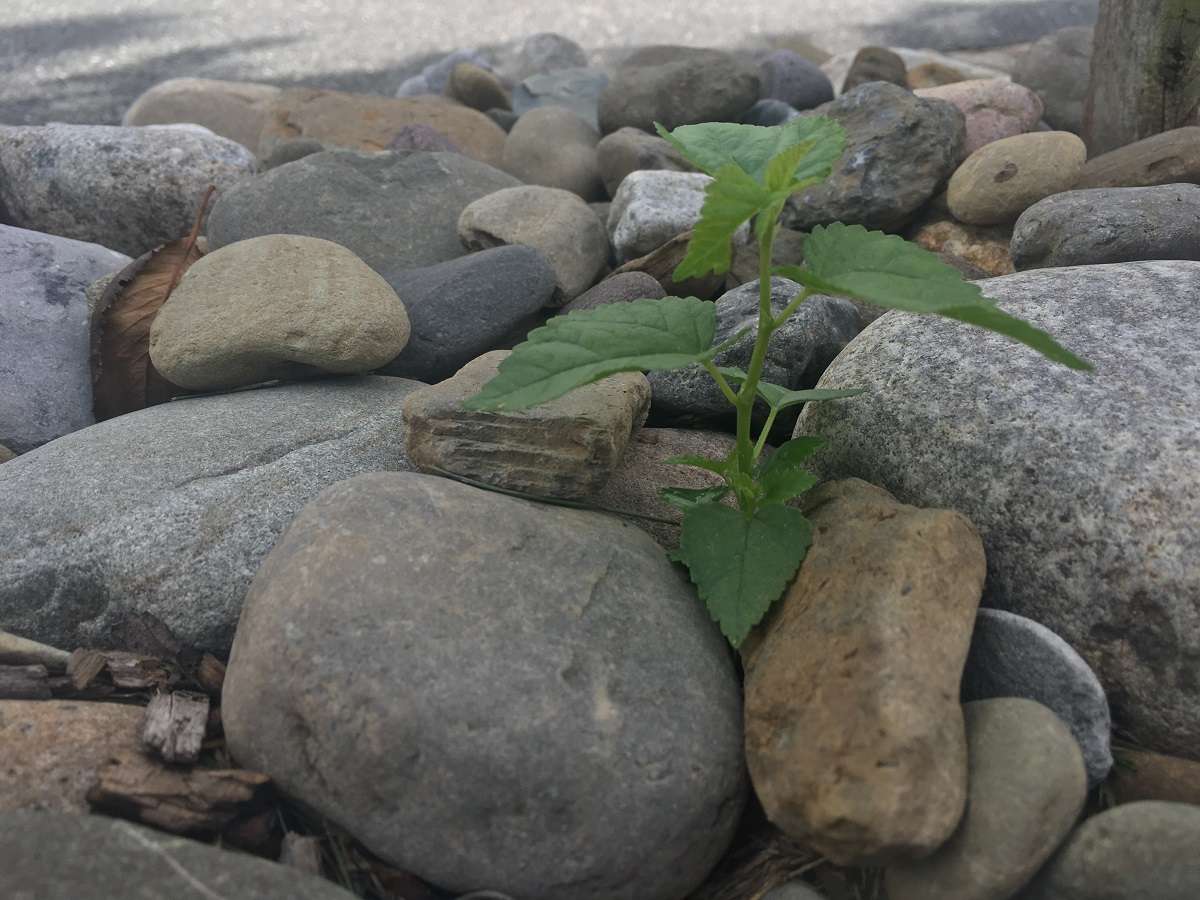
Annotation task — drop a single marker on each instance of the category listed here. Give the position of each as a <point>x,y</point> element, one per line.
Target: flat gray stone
<point>1086,487</point>
<point>549,710</point>
<point>1109,225</point>
<point>55,856</point>
<point>169,510</point>
<point>396,211</point>
<point>45,334</point>
<point>130,189</point>
<point>1012,656</point>
<point>576,89</point>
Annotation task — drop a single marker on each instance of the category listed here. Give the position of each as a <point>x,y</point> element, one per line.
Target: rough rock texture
<point>1084,486</point>
<point>468,306</point>
<point>278,306</point>
<point>48,856</point>
<point>1001,180</point>
<point>1109,225</point>
<point>1167,158</point>
<point>129,189</point>
<point>1012,656</point>
<point>677,86</point>
<point>556,223</point>
<point>788,76</point>
<point>617,288</point>
<point>546,693</point>
<point>169,510</point>
<point>553,147</point>
<point>232,109</point>
<point>1139,851</point>
<point>854,733</point>
<point>899,150</point>
<point>631,150</point>
<point>985,246</point>
<point>368,122</point>
<point>1058,67</point>
<point>1153,776</point>
<point>45,334</point>
<point>651,207</point>
<point>566,448</point>
<point>578,90</point>
<point>52,749</point>
<point>1026,791</point>
<point>395,211</point>
<point>995,108</point>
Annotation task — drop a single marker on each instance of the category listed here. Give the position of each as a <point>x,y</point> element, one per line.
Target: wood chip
<point>175,724</point>
<point>175,800</point>
<point>210,674</point>
<point>19,651</point>
<point>84,667</point>
<point>135,671</point>
<point>301,851</point>
<point>24,683</point>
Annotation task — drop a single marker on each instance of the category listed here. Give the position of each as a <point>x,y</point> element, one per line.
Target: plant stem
<point>766,325</point>
<point>792,306</point>
<point>712,370</point>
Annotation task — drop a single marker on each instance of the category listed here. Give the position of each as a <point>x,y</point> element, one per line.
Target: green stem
<point>711,368</point>
<point>766,325</point>
<point>761,443</point>
<point>792,306</point>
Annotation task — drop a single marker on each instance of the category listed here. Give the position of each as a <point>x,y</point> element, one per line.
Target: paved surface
<point>86,60</point>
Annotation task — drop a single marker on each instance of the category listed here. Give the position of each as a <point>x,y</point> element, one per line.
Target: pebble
<point>1168,158</point>
<point>467,605</point>
<point>995,108</point>
<point>476,87</point>
<point>555,222</point>
<point>232,109</point>
<point>45,334</point>
<point>1026,791</point>
<point>578,90</point>
<point>505,118</point>
<point>632,150</point>
<point>678,86</point>
<point>1076,481</point>
<point>170,510</point>
<point>769,112</point>
<point>552,147</point>
<point>984,246</point>
<point>467,306</point>
<point>617,288</point>
<point>1004,178</point>
<point>128,189</point>
<point>395,211</point>
<point>653,206</point>
<point>1109,225</point>
<point>789,77</point>
<point>875,64</point>
<point>933,74</point>
<point>1012,656</point>
<point>567,448</point>
<point>276,307</point>
<point>434,78</point>
<point>854,735</point>
<point>1143,775</point>
<point>1058,67</point>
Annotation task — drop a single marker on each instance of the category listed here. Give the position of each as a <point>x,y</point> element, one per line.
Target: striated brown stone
<point>1168,158</point>
<point>1142,775</point>
<point>854,735</point>
<point>985,246</point>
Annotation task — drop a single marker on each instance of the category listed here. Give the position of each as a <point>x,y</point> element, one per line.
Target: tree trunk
<point>1145,72</point>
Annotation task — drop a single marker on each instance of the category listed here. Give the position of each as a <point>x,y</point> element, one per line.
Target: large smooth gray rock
<point>1109,225</point>
<point>396,211</point>
<point>53,856</point>
<point>45,334</point>
<point>1086,487</point>
<point>1012,656</point>
<point>548,712</point>
<point>130,189</point>
<point>169,510</point>
<point>1059,67</point>
<point>899,150</point>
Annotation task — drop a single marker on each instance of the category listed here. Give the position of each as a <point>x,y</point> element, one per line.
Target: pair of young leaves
<point>741,560</point>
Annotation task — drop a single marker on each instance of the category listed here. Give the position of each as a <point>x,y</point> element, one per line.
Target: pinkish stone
<point>995,108</point>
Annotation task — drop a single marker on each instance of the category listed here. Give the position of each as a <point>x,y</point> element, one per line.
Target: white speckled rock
<point>1002,179</point>
<point>652,206</point>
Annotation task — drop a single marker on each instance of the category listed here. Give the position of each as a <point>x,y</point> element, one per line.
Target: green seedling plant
<point>742,540</point>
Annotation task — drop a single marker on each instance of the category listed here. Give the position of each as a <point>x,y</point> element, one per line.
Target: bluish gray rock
<point>577,89</point>
<point>130,189</point>
<point>796,356</point>
<point>1109,225</point>
<point>788,76</point>
<point>463,308</point>
<point>548,698</point>
<point>769,112</point>
<point>434,77</point>
<point>1058,67</point>
<point>170,510</point>
<point>1012,656</point>
<point>45,334</point>
<point>1085,487</point>
<point>538,54</point>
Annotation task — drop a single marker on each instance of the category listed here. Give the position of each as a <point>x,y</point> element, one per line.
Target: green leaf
<point>888,271</point>
<point>780,476</point>
<point>778,397</point>
<point>581,347</point>
<point>742,565</point>
<point>720,466</point>
<point>714,145</point>
<point>686,498</point>
<point>730,199</point>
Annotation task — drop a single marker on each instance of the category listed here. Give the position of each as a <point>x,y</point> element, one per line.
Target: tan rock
<point>367,122</point>
<point>1001,180</point>
<point>53,748</point>
<point>553,147</point>
<point>6,454</point>
<point>933,74</point>
<point>277,306</point>
<point>854,734</point>
<point>567,448</point>
<point>477,88</point>
<point>980,245</point>
<point>1142,775</point>
<point>232,109</point>
<point>1168,158</point>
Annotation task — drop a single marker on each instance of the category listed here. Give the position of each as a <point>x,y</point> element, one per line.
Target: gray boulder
<point>576,89</point>
<point>169,510</point>
<point>1086,487</point>
<point>1109,225</point>
<point>45,334</point>
<point>549,712</point>
<point>1058,67</point>
<point>900,148</point>
<point>396,211</point>
<point>130,189</point>
<point>788,76</point>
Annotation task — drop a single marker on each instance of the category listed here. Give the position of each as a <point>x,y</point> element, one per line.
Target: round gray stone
<point>788,76</point>
<point>553,147</point>
<point>631,150</point>
<point>1058,67</point>
<point>488,692</point>
<point>576,89</point>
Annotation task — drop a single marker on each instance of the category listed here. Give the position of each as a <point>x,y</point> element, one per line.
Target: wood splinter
<point>175,724</point>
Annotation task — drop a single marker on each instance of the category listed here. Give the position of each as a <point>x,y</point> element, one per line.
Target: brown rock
<point>980,245</point>
<point>1142,775</point>
<point>876,64</point>
<point>933,74</point>
<point>620,288</point>
<point>1168,158</point>
<point>477,88</point>
<point>553,147</point>
<point>367,122</point>
<point>566,448</point>
<point>1001,180</point>
<point>232,109</point>
<point>660,263</point>
<point>633,150</point>
<point>854,734</point>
